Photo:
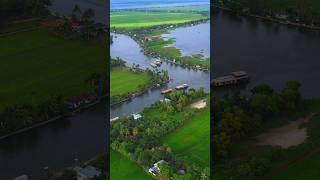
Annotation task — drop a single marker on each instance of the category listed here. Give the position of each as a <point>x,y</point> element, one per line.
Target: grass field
<point>123,81</point>
<point>123,168</point>
<point>307,169</point>
<point>135,19</point>
<point>37,64</point>
<point>193,139</point>
<point>185,8</point>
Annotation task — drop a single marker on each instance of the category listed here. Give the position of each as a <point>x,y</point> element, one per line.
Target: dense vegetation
<point>17,8</point>
<point>300,11</point>
<point>139,140</point>
<point>238,119</point>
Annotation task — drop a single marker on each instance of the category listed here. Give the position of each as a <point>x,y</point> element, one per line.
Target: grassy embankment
<point>193,139</point>
<point>37,64</point>
<point>135,20</point>
<point>123,81</point>
<point>123,168</point>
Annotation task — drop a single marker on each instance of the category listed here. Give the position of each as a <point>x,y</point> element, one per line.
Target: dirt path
<point>200,104</point>
<point>286,136</point>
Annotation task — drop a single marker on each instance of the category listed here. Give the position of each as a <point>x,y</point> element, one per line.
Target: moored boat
<point>166,91</point>
<point>182,86</point>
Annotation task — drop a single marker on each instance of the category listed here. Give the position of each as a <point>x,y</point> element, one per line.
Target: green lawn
<point>123,81</point>
<point>37,64</point>
<point>193,139</point>
<point>123,168</point>
<point>307,169</point>
<point>135,19</point>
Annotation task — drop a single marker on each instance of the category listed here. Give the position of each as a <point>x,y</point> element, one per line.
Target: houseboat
<point>153,65</point>
<point>157,62</point>
<point>166,91</point>
<point>182,86</point>
<point>235,78</point>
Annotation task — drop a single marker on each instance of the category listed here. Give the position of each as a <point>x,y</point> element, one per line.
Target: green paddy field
<point>306,169</point>
<point>138,19</point>
<point>37,64</point>
<point>123,168</point>
<point>193,139</point>
<point>123,81</point>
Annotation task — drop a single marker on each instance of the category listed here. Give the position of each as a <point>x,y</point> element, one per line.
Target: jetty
<point>235,78</point>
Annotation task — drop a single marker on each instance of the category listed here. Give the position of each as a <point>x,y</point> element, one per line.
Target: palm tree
<point>75,12</point>
<point>87,20</point>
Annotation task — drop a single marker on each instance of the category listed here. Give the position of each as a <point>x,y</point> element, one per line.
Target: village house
<point>136,116</point>
<point>155,169</point>
<point>77,101</point>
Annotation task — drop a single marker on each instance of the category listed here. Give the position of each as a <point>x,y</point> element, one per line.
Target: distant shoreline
<point>271,19</point>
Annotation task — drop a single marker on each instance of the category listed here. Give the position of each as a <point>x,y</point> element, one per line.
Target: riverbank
<point>138,81</point>
<point>53,119</point>
<point>271,19</point>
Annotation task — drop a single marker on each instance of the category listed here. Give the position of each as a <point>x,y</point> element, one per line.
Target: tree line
<point>17,8</point>
<point>236,116</point>
<point>21,115</point>
<point>301,11</point>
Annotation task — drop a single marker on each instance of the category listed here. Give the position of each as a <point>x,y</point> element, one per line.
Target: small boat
<point>114,119</point>
<point>182,86</point>
<point>166,91</point>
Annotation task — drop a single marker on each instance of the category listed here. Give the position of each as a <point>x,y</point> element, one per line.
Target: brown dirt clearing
<point>286,136</point>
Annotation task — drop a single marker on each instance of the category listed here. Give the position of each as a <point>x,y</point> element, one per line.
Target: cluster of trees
<point>139,139</point>
<point>19,116</point>
<point>17,8</point>
<point>236,116</point>
<point>88,27</point>
<point>302,10</point>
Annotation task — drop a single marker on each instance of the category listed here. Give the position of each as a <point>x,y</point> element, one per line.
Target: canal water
<point>198,35</point>
<point>271,53</point>
<point>56,145</point>
<point>127,49</point>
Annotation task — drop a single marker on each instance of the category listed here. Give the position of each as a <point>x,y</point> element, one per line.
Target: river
<point>127,49</point>
<point>271,53</point>
<point>55,145</point>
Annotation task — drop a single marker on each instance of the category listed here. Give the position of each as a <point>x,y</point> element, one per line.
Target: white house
<point>136,116</point>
